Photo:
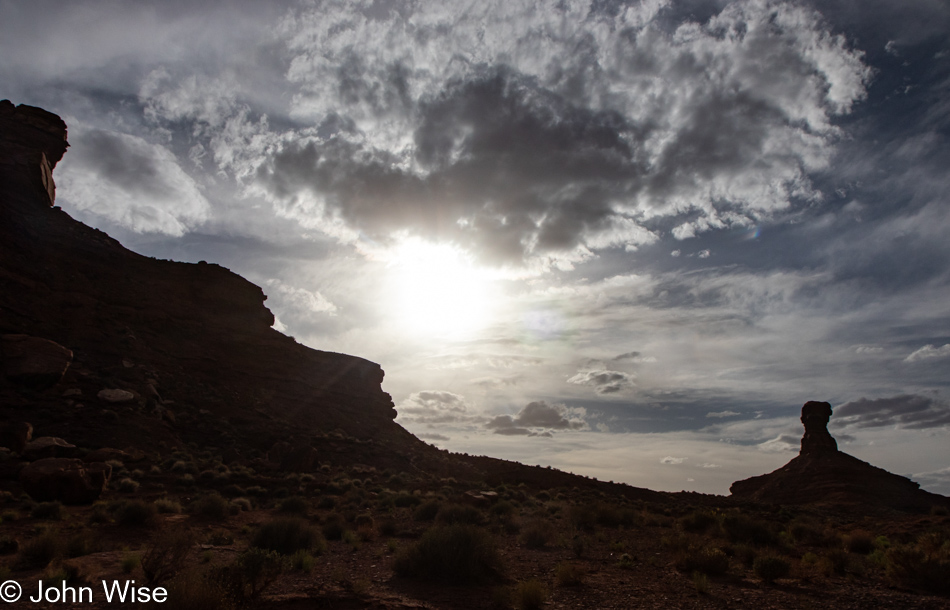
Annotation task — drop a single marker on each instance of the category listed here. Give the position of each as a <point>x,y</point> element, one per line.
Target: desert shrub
<point>252,572</point>
<point>741,528</point>
<point>327,503</point>
<point>333,527</point>
<point>708,560</point>
<point>426,511</point>
<point>502,509</point>
<point>536,535</point>
<point>771,567</point>
<point>193,592</point>
<point>130,562</point>
<point>39,551</point>
<point>530,595</point>
<point>579,546</point>
<point>127,485</point>
<point>165,556</point>
<point>698,521</point>
<point>567,574</point>
<point>48,510</point>
<point>167,506</point>
<point>804,532</point>
<point>287,535</point>
<point>745,554</point>
<point>302,561</point>
<point>363,520</point>
<point>701,583</point>
<point>837,560</point>
<point>135,513</point>
<point>610,515</point>
<point>859,542</point>
<point>8,545</point>
<point>451,514</point>
<point>387,527</point>
<point>451,553</point>
<point>582,517</point>
<point>294,505</point>
<point>212,506</point>
<point>83,543</point>
<point>924,565</point>
<point>221,538</point>
<point>404,500</point>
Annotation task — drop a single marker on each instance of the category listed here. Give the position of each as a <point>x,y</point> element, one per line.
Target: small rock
<point>127,363</point>
<point>72,392</point>
<point>105,454</point>
<point>115,395</point>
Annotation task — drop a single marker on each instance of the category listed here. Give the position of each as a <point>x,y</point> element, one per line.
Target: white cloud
<point>927,352</point>
<point>131,182</point>
<point>672,460</point>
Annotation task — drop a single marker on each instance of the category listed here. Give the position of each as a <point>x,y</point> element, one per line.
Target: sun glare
<point>439,291</point>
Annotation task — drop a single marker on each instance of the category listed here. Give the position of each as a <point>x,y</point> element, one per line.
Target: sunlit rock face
<point>822,475</point>
<point>817,439</point>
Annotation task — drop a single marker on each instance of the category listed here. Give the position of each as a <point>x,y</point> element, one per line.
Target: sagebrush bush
<point>287,535</point>
<point>213,506</point>
<point>333,527</point>
<point>451,514</point>
<point>741,528</point>
<point>771,567</point>
<point>38,552</point>
<point>252,572</point>
<point>294,505</point>
<point>193,592</point>
<point>708,560</point>
<point>426,511</point>
<point>698,521</point>
<point>167,506</point>
<point>451,553</point>
<point>859,542</point>
<point>924,565</point>
<point>166,554</point>
<point>530,595</point>
<point>537,534</point>
<point>135,513</point>
<point>48,510</point>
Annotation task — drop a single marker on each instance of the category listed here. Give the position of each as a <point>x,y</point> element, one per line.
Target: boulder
<point>15,435</point>
<point>48,447</point>
<point>33,362</point>
<point>105,454</point>
<point>69,481</point>
<point>113,395</point>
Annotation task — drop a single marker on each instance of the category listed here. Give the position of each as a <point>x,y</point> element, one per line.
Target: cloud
<point>722,414</point>
<point>131,182</point>
<point>909,411</point>
<point>782,442</point>
<point>433,437</point>
<point>539,415</point>
<point>604,381</point>
<point>434,407</point>
<point>635,357</point>
<point>927,352</point>
<point>937,481</point>
<point>673,460</point>
<point>299,300</point>
<point>529,137</point>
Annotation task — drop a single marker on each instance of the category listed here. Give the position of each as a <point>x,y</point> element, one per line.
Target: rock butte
<point>821,474</point>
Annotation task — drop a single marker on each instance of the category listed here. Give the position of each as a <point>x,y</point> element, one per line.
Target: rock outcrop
<point>823,475</point>
<point>132,325</point>
<point>69,481</point>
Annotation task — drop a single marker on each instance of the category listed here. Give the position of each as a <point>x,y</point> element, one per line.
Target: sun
<point>439,290</point>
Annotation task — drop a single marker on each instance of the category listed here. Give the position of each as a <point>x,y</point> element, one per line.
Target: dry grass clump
<point>38,552</point>
<point>924,565</point>
<point>451,514</point>
<point>530,595</point>
<point>451,553</point>
<point>213,506</point>
<point>48,510</point>
<point>166,554</point>
<point>537,534</point>
<point>135,513</point>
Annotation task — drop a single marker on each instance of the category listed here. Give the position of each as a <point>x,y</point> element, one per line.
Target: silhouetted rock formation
<point>823,475</point>
<point>817,439</point>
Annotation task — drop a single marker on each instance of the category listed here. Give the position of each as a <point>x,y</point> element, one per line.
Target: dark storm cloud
<point>535,415</point>
<point>910,411</point>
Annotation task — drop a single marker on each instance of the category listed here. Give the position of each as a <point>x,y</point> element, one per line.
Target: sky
<point>624,239</point>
